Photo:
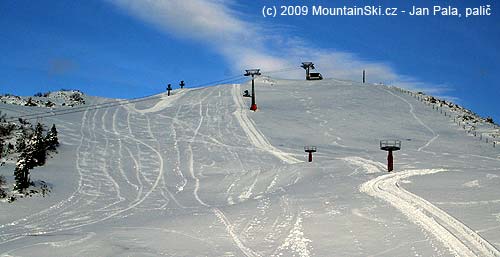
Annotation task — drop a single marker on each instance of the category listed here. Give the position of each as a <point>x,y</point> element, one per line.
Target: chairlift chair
<point>311,75</point>
<point>314,76</point>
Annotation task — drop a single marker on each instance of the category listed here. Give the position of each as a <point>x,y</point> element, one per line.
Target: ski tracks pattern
<point>254,135</point>
<point>456,236</point>
<point>435,135</point>
<point>125,164</point>
<point>98,196</point>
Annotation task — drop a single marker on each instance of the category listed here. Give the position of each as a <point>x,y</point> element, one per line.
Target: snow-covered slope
<point>198,174</point>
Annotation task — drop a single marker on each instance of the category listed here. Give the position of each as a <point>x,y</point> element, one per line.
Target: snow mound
<point>471,184</point>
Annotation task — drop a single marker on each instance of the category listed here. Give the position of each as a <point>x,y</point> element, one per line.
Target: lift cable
<point>115,103</point>
<point>281,70</point>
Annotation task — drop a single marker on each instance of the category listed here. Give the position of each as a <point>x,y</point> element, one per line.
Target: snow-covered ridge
<point>49,99</point>
<point>484,128</point>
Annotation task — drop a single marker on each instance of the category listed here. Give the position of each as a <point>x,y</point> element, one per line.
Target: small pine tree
<point>51,139</point>
<point>21,174</point>
<point>21,141</point>
<point>39,145</point>
<point>25,162</point>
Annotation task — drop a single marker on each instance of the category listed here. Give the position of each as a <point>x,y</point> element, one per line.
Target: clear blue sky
<point>125,48</point>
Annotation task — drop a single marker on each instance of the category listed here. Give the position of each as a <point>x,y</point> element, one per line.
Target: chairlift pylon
<point>311,75</point>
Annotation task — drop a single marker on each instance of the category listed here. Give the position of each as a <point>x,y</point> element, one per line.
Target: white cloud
<point>248,45</point>
<point>204,20</point>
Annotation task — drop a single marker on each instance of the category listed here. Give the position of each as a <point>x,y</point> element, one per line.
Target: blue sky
<point>126,49</point>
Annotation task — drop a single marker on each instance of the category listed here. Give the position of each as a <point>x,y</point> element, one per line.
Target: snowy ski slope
<point>198,174</point>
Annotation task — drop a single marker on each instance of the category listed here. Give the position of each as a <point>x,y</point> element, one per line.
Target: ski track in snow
<point>107,144</point>
<point>177,168</point>
<point>254,135</point>
<point>230,229</point>
<point>197,180</point>
<point>97,189</point>
<point>54,244</point>
<point>247,193</point>
<point>456,236</point>
<point>420,149</point>
<point>120,154</point>
<point>164,102</point>
<point>296,241</point>
<point>368,165</point>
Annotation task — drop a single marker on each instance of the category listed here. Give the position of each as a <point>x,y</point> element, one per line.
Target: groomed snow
<point>198,174</point>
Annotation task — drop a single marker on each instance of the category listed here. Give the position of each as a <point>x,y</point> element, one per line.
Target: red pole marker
<point>310,150</point>
<point>253,73</point>
<point>390,146</point>
<point>390,165</point>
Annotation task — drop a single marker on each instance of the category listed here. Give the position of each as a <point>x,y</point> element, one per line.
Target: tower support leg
<point>310,156</point>
<point>389,161</point>
<point>253,107</point>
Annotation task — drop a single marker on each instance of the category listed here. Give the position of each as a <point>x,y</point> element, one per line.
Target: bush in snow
<point>49,104</point>
<point>2,184</point>
<point>51,139</point>
<point>30,102</point>
<point>5,128</point>
<point>77,97</point>
<point>23,122</point>
<point>32,146</point>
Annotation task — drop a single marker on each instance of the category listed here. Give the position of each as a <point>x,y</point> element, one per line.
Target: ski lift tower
<point>307,66</point>
<point>169,88</point>
<point>390,146</point>
<point>310,150</point>
<point>253,73</point>
<point>182,84</point>
<point>311,75</point>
